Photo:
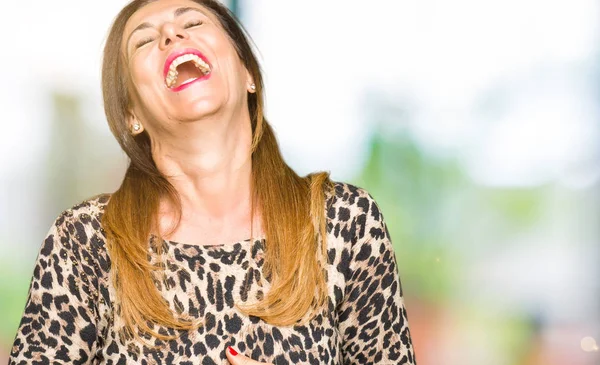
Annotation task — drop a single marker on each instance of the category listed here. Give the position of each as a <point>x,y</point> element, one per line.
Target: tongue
<point>186,72</point>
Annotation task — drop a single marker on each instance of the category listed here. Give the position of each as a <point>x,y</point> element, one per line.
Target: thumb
<point>236,358</point>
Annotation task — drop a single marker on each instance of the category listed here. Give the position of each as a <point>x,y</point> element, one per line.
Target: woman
<point>212,250</point>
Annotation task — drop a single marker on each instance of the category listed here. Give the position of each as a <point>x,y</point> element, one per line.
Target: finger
<point>236,358</point>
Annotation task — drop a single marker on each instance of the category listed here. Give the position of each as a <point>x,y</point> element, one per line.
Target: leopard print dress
<point>70,315</point>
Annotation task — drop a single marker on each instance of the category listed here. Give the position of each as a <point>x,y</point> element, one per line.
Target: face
<point>182,65</point>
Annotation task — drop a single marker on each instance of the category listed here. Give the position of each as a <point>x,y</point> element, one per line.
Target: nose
<point>171,33</point>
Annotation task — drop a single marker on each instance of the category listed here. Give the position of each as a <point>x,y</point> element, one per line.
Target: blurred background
<point>474,124</point>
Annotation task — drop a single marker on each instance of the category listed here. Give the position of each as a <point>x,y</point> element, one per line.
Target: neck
<point>209,164</point>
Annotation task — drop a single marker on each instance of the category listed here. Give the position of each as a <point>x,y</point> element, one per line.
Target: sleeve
<point>372,318</point>
<point>59,323</point>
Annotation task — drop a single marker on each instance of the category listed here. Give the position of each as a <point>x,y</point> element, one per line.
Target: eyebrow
<point>178,12</point>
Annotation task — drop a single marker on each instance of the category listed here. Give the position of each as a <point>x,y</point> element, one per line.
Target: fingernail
<point>232,351</point>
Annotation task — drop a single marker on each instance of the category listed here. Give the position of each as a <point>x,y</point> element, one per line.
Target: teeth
<point>198,62</point>
<point>203,66</point>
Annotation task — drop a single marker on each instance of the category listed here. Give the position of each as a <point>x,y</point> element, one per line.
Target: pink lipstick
<point>182,52</point>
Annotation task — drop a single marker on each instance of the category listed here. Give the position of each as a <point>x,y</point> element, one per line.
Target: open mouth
<point>186,69</point>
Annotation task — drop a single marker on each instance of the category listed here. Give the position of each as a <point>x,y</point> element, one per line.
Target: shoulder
<point>353,214</point>
<point>78,230</point>
<point>81,211</point>
<point>359,243</point>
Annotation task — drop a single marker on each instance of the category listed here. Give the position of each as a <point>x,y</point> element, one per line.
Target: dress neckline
<point>218,247</point>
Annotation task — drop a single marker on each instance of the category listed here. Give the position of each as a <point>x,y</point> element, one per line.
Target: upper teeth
<point>198,62</point>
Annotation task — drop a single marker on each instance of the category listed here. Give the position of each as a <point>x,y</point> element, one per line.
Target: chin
<point>199,109</point>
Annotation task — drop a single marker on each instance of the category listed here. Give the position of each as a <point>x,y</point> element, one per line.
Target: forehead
<point>160,10</point>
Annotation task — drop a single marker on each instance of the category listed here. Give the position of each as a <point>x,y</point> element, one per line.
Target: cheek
<point>143,71</point>
<point>147,88</point>
<point>227,57</point>
<point>233,70</point>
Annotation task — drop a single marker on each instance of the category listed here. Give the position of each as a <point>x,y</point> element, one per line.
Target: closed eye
<point>143,41</point>
<point>191,24</point>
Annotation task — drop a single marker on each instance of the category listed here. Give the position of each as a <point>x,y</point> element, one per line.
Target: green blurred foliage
<point>13,294</point>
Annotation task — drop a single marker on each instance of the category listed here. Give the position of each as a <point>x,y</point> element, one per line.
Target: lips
<point>174,55</point>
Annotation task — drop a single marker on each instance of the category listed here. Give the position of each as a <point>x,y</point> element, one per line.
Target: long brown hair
<point>292,207</point>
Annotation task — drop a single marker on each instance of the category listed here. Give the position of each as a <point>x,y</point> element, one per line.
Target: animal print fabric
<point>70,316</point>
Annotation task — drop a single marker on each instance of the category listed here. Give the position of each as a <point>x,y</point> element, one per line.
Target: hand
<point>240,359</point>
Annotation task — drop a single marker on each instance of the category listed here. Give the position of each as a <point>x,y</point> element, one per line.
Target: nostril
<point>167,41</point>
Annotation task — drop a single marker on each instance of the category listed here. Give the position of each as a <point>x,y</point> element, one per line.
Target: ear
<point>134,125</point>
<point>250,85</point>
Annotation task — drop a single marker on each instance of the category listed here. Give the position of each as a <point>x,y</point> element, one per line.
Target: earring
<point>136,127</point>
<point>253,87</point>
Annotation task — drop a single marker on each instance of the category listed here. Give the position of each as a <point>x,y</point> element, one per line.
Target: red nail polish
<point>232,351</point>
